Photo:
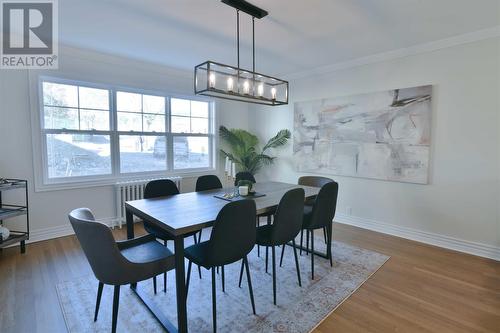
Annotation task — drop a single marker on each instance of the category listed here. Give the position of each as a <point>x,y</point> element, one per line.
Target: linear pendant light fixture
<point>234,83</point>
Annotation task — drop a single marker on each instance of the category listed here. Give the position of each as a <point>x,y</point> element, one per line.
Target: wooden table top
<point>182,213</point>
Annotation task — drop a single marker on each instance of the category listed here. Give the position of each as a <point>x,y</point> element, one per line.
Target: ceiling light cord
<point>253,43</point>
<point>238,36</point>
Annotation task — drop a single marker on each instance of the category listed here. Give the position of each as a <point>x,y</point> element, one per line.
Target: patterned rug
<point>299,309</point>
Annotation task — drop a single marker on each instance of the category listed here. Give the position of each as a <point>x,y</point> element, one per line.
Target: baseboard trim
<point>49,233</point>
<point>447,242</point>
<point>61,231</point>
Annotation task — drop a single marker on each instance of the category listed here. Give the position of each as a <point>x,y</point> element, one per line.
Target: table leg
<point>129,217</point>
<point>180,284</point>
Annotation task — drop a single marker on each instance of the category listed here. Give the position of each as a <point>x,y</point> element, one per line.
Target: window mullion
<point>169,139</point>
<point>115,139</point>
<point>78,101</point>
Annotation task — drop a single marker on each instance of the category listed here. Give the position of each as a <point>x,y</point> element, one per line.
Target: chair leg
<point>98,300</point>
<point>296,262</point>
<point>312,254</point>
<point>116,301</point>
<point>307,243</point>
<point>196,241</point>
<point>241,273</point>
<point>301,240</point>
<point>258,246</point>
<point>214,305</point>
<point>190,263</point>
<point>223,280</point>
<point>249,280</point>
<point>274,274</point>
<point>154,284</point>
<point>282,253</point>
<point>267,255</point>
<point>324,235</point>
<point>329,244</point>
<point>165,274</point>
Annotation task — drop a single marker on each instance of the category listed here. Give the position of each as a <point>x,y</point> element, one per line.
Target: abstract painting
<point>383,135</point>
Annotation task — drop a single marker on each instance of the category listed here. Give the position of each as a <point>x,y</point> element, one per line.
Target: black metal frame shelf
<point>9,210</point>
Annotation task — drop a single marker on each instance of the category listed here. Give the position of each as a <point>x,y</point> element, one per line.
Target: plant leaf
<point>229,137</point>
<point>280,139</point>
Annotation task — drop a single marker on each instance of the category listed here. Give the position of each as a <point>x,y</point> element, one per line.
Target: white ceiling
<point>296,36</point>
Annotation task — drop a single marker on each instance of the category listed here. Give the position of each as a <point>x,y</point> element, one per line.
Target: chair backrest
<point>288,218</point>
<point>233,234</point>
<point>160,188</point>
<point>98,244</point>
<point>244,175</point>
<point>208,182</point>
<point>314,181</point>
<point>325,205</point>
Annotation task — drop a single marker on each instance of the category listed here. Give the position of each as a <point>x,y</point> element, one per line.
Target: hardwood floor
<point>420,289</point>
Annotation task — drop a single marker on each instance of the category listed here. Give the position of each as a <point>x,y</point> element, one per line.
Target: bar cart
<point>10,210</point>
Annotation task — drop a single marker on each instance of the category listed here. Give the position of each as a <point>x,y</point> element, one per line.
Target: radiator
<point>133,190</point>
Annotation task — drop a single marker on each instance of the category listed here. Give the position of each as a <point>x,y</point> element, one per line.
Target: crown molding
<point>471,37</point>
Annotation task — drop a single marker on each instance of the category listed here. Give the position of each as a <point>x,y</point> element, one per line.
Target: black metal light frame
<point>206,90</point>
<point>207,68</point>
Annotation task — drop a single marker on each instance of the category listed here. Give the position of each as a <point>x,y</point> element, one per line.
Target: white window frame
<point>40,157</point>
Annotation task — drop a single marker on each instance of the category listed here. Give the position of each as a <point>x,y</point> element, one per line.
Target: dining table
<point>184,213</point>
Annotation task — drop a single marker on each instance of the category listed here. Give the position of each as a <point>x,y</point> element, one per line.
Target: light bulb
<point>246,87</point>
<point>273,93</point>
<point>211,80</point>
<point>230,84</point>
<point>260,90</point>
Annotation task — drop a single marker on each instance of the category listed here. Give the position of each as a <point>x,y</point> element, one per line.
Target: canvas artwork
<point>383,135</point>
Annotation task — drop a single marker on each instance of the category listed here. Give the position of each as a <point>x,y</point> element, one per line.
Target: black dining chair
<point>118,263</point>
<point>243,175</point>
<point>313,181</point>
<point>162,188</point>
<point>208,182</point>
<point>320,216</point>
<point>232,238</point>
<point>286,226</point>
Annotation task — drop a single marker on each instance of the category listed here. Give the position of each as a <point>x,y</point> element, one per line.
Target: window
<point>190,128</point>
<point>95,132</point>
<point>142,135</point>
<point>76,130</point>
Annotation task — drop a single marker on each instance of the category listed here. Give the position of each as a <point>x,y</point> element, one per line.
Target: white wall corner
<point>447,242</point>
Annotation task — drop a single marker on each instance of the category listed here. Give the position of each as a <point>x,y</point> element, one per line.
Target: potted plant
<point>246,183</point>
<point>244,151</point>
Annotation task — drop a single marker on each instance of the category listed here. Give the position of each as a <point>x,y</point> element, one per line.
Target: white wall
<point>49,209</point>
<point>460,203</point>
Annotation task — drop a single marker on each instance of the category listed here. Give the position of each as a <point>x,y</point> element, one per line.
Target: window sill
<point>71,185</point>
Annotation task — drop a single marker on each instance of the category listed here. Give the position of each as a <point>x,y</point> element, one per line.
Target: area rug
<point>299,309</point>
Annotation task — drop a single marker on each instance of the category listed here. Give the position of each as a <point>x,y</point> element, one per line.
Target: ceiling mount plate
<point>246,7</point>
